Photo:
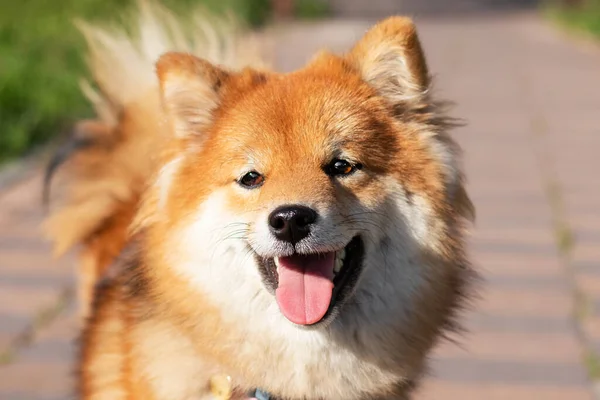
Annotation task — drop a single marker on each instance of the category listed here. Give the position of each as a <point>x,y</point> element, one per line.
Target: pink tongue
<point>305,287</point>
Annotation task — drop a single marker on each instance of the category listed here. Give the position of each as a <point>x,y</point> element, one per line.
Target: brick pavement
<point>530,98</point>
<point>37,326</point>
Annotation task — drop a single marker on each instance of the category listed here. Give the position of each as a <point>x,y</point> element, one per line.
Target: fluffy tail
<point>98,176</point>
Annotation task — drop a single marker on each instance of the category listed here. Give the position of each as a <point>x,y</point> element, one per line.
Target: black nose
<point>292,223</point>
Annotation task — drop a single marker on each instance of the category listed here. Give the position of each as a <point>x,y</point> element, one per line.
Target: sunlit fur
<point>188,301</point>
<point>96,192</point>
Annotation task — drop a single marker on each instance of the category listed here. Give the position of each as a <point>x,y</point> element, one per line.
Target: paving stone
<point>538,347</point>
<point>471,371</point>
<point>45,370</point>
<point>437,389</point>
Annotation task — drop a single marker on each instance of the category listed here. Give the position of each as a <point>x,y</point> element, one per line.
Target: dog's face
<point>310,190</point>
<point>303,167</point>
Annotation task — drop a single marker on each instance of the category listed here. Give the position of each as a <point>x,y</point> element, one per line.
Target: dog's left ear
<point>389,57</point>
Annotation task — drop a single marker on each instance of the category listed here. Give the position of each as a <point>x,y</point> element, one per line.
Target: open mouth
<point>308,287</point>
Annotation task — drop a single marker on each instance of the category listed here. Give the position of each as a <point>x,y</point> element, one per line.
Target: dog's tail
<point>99,174</point>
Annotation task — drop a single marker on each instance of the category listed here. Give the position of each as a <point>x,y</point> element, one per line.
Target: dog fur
<point>97,177</point>
<point>187,300</point>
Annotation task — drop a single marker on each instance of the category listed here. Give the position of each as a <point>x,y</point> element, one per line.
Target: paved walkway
<point>532,101</point>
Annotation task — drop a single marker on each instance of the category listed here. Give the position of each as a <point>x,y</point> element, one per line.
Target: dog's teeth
<point>339,263</point>
<point>276,260</point>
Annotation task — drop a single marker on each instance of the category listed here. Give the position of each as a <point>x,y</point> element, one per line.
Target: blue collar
<point>260,395</point>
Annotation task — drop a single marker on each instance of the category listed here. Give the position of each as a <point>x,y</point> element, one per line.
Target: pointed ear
<point>389,57</point>
<point>190,91</point>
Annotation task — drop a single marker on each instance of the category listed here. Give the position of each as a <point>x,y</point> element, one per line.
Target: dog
<point>300,235</point>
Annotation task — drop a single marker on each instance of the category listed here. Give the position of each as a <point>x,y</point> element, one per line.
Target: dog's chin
<point>347,267</point>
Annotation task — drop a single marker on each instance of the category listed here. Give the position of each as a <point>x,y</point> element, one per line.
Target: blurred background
<point>525,76</point>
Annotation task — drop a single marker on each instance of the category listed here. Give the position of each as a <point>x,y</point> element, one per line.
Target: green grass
<point>592,364</point>
<point>584,19</point>
<point>41,62</point>
<point>311,9</point>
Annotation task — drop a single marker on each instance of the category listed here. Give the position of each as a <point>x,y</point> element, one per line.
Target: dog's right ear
<point>190,90</point>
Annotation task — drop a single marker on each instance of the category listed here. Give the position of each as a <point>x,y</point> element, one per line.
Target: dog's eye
<point>339,167</point>
<point>251,180</point>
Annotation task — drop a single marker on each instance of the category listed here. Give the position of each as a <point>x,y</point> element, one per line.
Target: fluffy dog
<point>301,233</point>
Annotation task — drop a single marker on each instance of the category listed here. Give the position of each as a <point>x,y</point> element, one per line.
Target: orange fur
<point>96,192</point>
<point>188,302</point>
<point>103,183</point>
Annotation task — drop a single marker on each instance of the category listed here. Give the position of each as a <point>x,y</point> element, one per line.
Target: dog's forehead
<point>302,108</point>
